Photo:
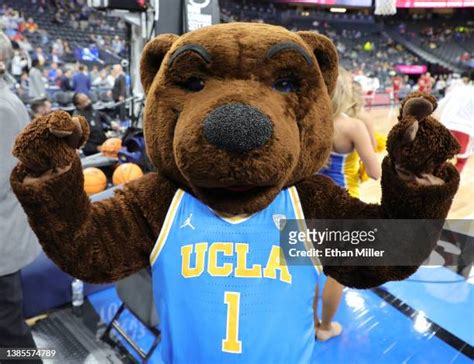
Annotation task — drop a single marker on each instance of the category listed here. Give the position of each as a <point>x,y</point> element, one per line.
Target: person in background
<point>352,140</point>
<point>73,22</point>
<point>39,56</point>
<point>26,46</point>
<point>357,111</point>
<point>58,17</point>
<point>64,81</point>
<point>23,90</point>
<point>117,45</point>
<point>100,41</point>
<point>67,48</point>
<point>19,245</point>
<point>119,91</point>
<point>81,81</point>
<point>351,143</point>
<point>397,83</point>
<point>101,80</point>
<point>425,83</point>
<point>59,74</point>
<point>36,89</point>
<point>53,72</point>
<point>110,78</point>
<point>429,82</point>
<point>94,73</point>
<point>18,38</point>
<point>373,84</point>
<point>58,46</point>
<point>17,65</point>
<point>30,26</point>
<point>40,108</point>
<point>440,85</point>
<point>421,84</point>
<point>55,57</point>
<point>456,112</point>
<point>44,36</point>
<point>96,119</point>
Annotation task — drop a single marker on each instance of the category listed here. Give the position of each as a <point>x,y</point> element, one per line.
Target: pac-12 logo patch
<point>280,221</point>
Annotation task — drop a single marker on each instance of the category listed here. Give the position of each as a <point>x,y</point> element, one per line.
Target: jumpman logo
<point>187,222</point>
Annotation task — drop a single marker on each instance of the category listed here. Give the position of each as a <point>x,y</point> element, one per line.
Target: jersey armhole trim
<point>295,200</point>
<point>167,223</point>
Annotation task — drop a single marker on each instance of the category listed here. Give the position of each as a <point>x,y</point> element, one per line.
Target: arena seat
<point>93,96</point>
<point>105,96</point>
<point>75,37</point>
<point>63,98</point>
<point>446,50</point>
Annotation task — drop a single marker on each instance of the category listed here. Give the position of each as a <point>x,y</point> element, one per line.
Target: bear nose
<point>237,127</point>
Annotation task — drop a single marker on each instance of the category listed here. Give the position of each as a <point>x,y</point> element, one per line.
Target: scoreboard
<point>131,5</point>
<point>400,3</point>
<point>350,3</point>
<point>435,3</point>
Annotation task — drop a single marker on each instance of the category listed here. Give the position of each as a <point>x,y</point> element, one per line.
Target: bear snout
<point>237,127</point>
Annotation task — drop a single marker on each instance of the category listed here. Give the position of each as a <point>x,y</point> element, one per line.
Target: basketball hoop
<point>385,7</point>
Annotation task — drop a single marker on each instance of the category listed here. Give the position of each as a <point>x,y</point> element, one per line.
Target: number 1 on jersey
<point>231,343</point>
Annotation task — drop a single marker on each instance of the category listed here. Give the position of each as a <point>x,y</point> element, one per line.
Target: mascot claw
<point>418,145</point>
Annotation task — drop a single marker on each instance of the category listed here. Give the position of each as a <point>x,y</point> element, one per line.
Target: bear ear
<point>326,54</point>
<point>152,57</point>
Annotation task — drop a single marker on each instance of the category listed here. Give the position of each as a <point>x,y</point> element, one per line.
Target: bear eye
<point>193,84</point>
<point>286,85</point>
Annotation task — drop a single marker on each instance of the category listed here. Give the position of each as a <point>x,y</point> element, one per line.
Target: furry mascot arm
<point>99,242</point>
<point>417,183</point>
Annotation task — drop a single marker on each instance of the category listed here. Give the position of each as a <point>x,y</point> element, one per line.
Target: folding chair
<point>136,293</point>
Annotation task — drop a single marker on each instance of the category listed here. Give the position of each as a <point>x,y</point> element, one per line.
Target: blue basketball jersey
<point>223,291</point>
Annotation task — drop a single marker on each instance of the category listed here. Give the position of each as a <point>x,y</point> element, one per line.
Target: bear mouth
<point>240,188</point>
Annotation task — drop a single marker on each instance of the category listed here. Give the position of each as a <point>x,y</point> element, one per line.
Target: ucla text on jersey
<point>223,290</point>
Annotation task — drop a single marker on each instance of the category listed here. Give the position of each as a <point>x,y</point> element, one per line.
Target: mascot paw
<point>418,145</point>
<point>50,142</point>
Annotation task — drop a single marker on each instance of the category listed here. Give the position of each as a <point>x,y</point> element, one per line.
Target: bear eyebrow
<point>279,47</point>
<point>196,48</point>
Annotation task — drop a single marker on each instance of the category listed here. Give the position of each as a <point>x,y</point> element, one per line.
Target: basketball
<point>111,147</point>
<point>94,180</point>
<point>125,173</point>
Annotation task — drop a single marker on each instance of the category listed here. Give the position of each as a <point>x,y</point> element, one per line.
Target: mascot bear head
<point>236,112</point>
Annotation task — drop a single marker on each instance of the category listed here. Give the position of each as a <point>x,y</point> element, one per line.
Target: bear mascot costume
<point>238,122</point>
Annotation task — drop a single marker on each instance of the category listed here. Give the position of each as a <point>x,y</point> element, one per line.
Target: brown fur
<point>420,109</point>
<point>321,199</point>
<point>57,154</point>
<point>420,157</point>
<point>98,242</point>
<point>110,239</point>
<point>239,72</point>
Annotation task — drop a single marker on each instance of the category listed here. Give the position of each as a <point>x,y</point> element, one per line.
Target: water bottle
<point>77,296</point>
<point>125,124</point>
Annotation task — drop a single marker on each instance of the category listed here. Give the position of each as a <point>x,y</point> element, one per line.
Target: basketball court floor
<point>428,318</point>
